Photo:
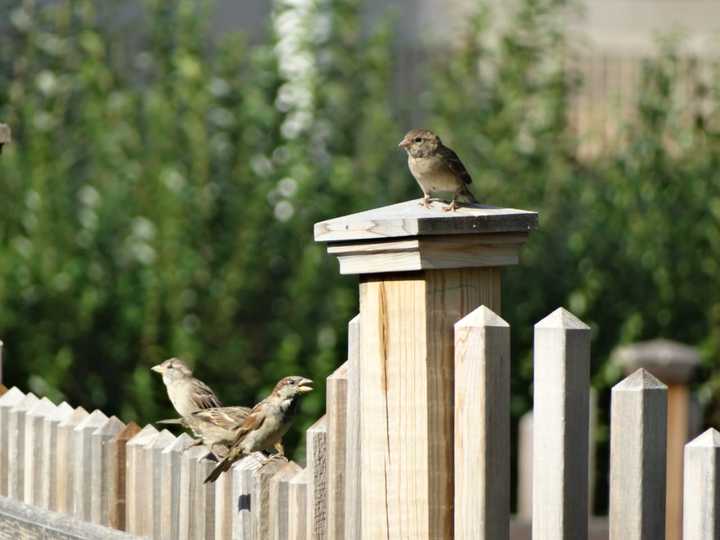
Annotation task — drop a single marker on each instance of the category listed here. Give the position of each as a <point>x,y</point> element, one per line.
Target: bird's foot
<point>451,207</point>
<point>425,201</point>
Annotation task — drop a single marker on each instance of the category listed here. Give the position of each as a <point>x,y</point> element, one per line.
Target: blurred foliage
<point>160,194</point>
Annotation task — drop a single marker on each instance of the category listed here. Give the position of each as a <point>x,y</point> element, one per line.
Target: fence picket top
<point>92,421</point>
<point>26,403</point>
<point>42,409</point>
<point>340,373</point>
<point>561,318</point>
<point>11,398</point>
<point>60,413</point>
<point>709,439</point>
<point>286,472</point>
<point>180,443</point>
<point>163,440</point>
<point>482,317</point>
<point>640,380</point>
<point>127,433</point>
<point>142,437</point>
<point>110,428</point>
<point>74,418</point>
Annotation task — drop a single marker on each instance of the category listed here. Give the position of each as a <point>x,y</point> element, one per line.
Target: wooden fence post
<point>136,479</point>
<point>65,472</point>
<point>242,497</point>
<point>702,487</point>
<point>482,426</point>
<point>204,508</point>
<point>154,482</point>
<point>316,456</point>
<point>224,506</point>
<point>297,506</point>
<point>260,500</point>
<point>16,476</point>
<point>34,455</point>
<point>103,488</point>
<point>337,405</point>
<point>280,500</point>
<point>674,364</point>
<point>7,402</point>
<point>48,492</point>
<point>353,483</point>
<point>638,431</point>
<point>524,472</point>
<point>189,491</point>
<point>117,468</point>
<point>421,270</point>
<point>560,417</point>
<point>82,454</point>
<point>170,487</point>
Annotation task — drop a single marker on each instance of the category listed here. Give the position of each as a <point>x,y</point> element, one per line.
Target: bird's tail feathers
<point>466,196</point>
<point>220,468</point>
<point>170,421</point>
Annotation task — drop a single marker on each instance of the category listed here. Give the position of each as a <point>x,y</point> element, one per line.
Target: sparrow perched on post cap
<point>436,168</point>
<point>266,424</point>
<point>186,393</point>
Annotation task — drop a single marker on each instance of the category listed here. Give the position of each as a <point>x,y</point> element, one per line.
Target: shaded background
<point>166,171</point>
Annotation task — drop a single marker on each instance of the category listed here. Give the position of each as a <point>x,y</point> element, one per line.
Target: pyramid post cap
<point>163,440</point>
<point>74,418</point>
<point>110,428</point>
<point>409,218</point>
<point>482,316</point>
<point>42,408</point>
<point>708,439</point>
<point>62,411</point>
<point>181,443</point>
<point>26,403</point>
<point>561,318</point>
<point>92,421</point>
<point>639,380</point>
<point>142,436</point>
<point>11,397</point>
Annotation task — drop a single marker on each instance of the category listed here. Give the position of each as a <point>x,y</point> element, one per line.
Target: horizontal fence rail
<point>83,468</point>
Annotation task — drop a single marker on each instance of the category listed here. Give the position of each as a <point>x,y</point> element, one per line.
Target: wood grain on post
<point>48,474</point>
<point>337,419</point>
<point>7,402</point>
<point>297,506</point>
<point>560,417</point>
<point>171,460</point>
<point>18,423</point>
<point>136,479</point>
<point>34,455</point>
<point>260,499</point>
<point>65,472</point>
<point>524,471</point>
<point>353,471</point>
<point>421,270</point>
<point>103,484</point>
<point>674,364</point>
<point>154,482</point>
<point>224,506</point>
<point>316,455</point>
<point>189,491</point>
<point>204,525</point>
<point>82,454</point>
<point>638,431</point>
<point>242,493</point>
<point>117,473</point>
<point>702,487</point>
<point>280,500</point>
<point>482,426</point>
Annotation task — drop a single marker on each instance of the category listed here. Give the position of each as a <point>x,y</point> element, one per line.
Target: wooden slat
<point>224,506</point>
<point>154,482</point>
<point>638,431</point>
<point>48,475</point>
<point>189,491</point>
<point>701,509</point>
<point>260,499</point>
<point>7,402</point>
<point>524,472</point>
<point>353,483</point>
<point>65,472</point>
<point>82,454</point>
<point>242,472</point>
<point>482,426</point>
<point>136,479</point>
<point>317,480</point>
<point>170,487</point>
<point>204,508</point>
<point>17,423</point>
<point>117,471</point>
<point>280,499</point>
<point>103,487</point>
<point>560,416</point>
<point>337,418</point>
<point>297,506</point>
<point>34,455</point>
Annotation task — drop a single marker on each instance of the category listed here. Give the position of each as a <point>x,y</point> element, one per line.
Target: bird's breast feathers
<point>432,174</point>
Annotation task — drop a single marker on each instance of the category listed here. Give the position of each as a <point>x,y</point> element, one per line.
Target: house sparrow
<point>186,393</point>
<point>436,167</point>
<point>266,424</point>
<point>215,427</point>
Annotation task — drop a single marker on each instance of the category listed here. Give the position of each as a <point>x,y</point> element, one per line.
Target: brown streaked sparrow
<point>436,168</point>
<point>266,424</point>
<point>186,393</point>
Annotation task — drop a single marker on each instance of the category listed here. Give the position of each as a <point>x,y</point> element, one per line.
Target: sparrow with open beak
<point>436,168</point>
<point>266,424</point>
<point>186,393</point>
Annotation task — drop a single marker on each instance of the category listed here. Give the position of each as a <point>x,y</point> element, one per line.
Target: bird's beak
<point>159,368</point>
<point>404,143</point>
<point>305,386</point>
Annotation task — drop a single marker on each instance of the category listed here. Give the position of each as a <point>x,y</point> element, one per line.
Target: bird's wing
<point>454,164</point>
<point>251,422</point>
<point>224,417</point>
<point>203,397</point>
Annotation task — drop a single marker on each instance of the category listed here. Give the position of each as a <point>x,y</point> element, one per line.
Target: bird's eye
<point>418,139</point>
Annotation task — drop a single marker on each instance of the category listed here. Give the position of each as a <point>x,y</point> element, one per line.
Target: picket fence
<point>149,483</point>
